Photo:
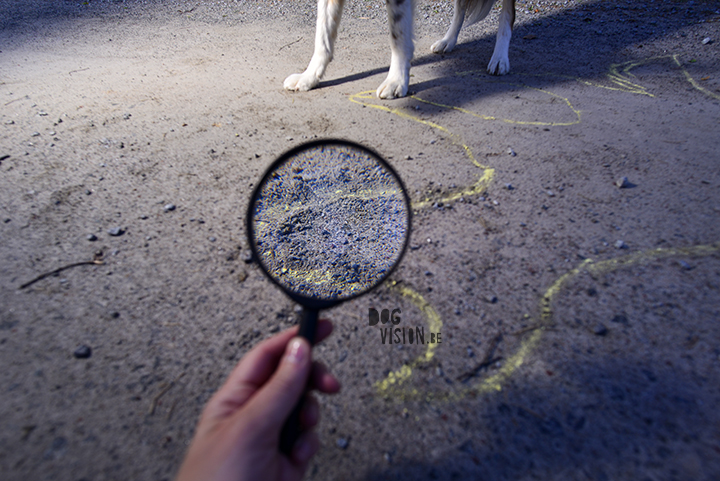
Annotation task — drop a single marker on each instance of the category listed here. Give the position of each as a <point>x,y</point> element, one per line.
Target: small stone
<point>42,113</point>
<point>511,152</point>
<point>36,134</point>
<point>470,352</point>
<point>685,265</point>
<point>82,352</point>
<point>491,299</point>
<point>91,237</point>
<point>343,355</point>
<point>127,116</point>
<point>388,457</point>
<point>169,207</point>
<point>620,319</point>
<point>706,40</point>
<point>600,329</point>
<point>550,193</point>
<point>116,231</point>
<point>342,443</point>
<point>622,183</point>
<point>247,257</point>
<point>509,186</point>
<point>10,122</point>
<point>620,245</point>
<point>212,239</point>
<point>428,273</point>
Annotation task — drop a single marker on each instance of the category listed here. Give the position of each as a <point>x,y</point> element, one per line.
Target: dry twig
<point>96,262</point>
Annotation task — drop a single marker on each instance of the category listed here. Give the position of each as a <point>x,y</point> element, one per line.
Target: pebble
<point>10,122</point>
<point>116,231</point>
<point>491,299</point>
<point>169,207</point>
<point>91,237</point>
<point>470,352</point>
<point>36,134</point>
<point>82,352</point>
<point>707,40</point>
<point>342,443</point>
<point>600,329</point>
<point>685,265</point>
<point>511,152</point>
<point>212,239</point>
<point>620,245</point>
<point>622,183</point>
<point>127,116</point>
<point>550,193</point>
<point>247,257</point>
<point>509,186</point>
<point>42,113</point>
<point>438,371</point>
<point>343,356</point>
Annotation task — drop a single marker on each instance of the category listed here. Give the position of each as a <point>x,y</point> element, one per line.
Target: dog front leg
<point>447,43</point>
<point>500,62</point>
<point>400,15</point>
<point>328,19</point>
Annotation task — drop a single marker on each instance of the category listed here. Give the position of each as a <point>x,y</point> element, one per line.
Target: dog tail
<point>477,10</point>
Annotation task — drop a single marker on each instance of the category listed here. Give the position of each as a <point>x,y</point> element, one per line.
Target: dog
<point>400,16</point>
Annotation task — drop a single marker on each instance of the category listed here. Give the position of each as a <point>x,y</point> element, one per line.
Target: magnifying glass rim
<point>307,301</point>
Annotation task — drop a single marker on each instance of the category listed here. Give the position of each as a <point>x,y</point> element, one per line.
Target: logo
<point>399,335</point>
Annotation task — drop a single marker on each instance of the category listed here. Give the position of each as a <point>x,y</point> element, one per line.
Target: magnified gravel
<point>329,223</point>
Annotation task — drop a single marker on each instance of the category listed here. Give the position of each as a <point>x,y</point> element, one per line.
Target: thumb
<point>277,398</point>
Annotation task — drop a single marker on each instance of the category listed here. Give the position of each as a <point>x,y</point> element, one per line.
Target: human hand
<point>238,435</point>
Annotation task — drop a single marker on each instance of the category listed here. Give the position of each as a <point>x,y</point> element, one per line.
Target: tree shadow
<point>620,418</point>
<point>583,42</point>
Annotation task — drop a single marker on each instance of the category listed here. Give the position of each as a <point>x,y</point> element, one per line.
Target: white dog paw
<point>498,65</point>
<point>301,82</point>
<point>393,87</point>
<point>443,46</point>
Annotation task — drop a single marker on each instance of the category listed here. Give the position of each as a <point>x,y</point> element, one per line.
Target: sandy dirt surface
<point>578,319</point>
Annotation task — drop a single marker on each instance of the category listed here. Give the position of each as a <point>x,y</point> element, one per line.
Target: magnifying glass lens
<point>330,221</point>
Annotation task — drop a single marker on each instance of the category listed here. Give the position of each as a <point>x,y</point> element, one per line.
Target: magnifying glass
<point>329,221</point>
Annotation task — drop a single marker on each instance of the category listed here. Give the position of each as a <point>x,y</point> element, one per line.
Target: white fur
<point>500,61</point>
<point>328,20</point>
<point>401,47</point>
<point>400,15</point>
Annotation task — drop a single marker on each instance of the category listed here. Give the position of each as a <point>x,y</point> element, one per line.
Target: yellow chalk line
<point>478,187</point>
<point>434,325</point>
<point>692,81</point>
<point>391,386</point>
<point>619,74</point>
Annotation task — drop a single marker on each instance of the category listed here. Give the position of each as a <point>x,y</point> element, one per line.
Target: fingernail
<point>296,351</point>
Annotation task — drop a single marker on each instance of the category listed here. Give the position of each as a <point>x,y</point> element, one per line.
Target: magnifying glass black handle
<point>291,429</point>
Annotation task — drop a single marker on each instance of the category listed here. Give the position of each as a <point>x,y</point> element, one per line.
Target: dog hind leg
<point>447,43</point>
<point>328,20</point>
<point>500,62</point>
<point>400,15</point>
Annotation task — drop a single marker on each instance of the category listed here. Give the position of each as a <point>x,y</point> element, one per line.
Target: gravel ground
<point>578,311</point>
